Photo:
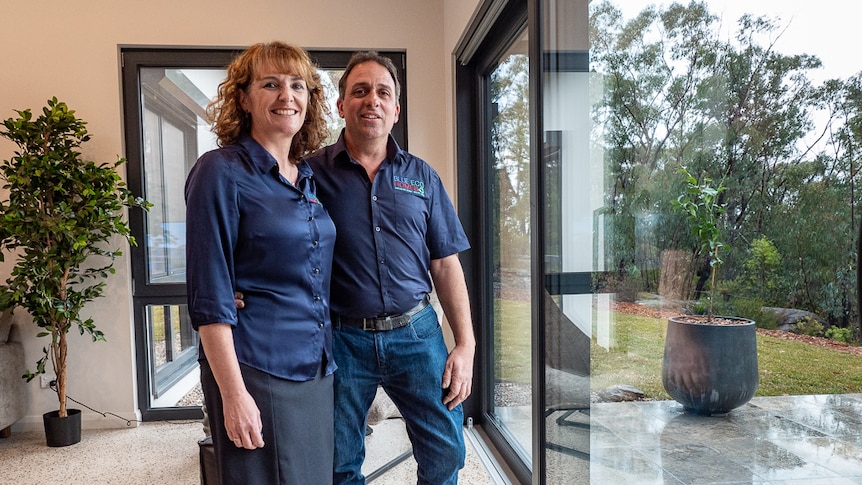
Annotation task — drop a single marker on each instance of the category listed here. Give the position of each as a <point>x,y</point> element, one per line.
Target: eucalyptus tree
<point>816,225</point>
<point>652,66</point>
<point>678,94</point>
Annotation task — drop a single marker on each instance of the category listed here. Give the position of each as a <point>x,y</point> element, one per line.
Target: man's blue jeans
<point>408,362</point>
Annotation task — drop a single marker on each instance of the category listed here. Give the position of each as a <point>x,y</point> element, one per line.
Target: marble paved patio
<point>809,440</point>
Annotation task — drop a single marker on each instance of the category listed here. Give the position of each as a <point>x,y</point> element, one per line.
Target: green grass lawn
<point>512,341</point>
<point>636,358</point>
<point>786,367</point>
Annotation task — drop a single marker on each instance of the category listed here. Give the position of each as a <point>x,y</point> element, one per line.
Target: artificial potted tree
<point>710,362</point>
<point>60,215</point>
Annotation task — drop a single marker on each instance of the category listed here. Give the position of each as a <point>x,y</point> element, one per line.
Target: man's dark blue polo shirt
<point>248,229</point>
<point>388,230</point>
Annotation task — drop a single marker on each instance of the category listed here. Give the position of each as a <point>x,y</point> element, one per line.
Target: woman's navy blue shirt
<point>248,229</point>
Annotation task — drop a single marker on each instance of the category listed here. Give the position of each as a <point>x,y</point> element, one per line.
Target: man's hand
<point>458,376</point>
<point>237,300</point>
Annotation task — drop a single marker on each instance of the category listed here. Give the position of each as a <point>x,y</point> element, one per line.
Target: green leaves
<point>703,208</point>
<point>702,204</point>
<point>61,216</point>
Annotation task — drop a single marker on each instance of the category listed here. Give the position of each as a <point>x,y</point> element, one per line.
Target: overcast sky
<point>829,29</point>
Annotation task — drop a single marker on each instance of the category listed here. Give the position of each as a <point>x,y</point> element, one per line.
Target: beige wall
<point>70,50</point>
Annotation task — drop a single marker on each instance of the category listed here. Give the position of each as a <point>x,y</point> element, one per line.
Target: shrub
<point>761,269</point>
<point>840,334</point>
<point>626,286</point>
<point>698,307</point>
<point>752,309</point>
<point>809,326</point>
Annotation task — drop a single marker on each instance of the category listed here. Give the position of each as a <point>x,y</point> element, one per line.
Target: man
<point>396,226</point>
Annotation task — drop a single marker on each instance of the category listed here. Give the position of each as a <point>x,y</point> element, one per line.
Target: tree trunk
<point>676,276</point>
<point>60,369</point>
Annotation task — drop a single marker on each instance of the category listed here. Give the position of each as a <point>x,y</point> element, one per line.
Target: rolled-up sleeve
<point>212,220</point>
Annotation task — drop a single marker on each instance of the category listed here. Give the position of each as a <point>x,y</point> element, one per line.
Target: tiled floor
<point>807,440</point>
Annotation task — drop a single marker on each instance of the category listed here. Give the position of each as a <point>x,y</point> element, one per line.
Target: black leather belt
<point>382,323</point>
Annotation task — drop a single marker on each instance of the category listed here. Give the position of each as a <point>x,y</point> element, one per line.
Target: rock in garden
<point>620,393</point>
<point>789,317</point>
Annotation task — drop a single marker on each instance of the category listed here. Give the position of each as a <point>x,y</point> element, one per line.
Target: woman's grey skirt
<point>297,430</point>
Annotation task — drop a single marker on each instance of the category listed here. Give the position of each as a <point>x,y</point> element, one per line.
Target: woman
<point>254,225</point>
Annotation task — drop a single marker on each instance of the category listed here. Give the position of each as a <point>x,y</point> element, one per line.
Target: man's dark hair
<point>369,56</point>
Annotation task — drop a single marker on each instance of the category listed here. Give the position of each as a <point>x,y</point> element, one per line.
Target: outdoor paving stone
<point>696,464</point>
<point>626,465</point>
<point>783,440</point>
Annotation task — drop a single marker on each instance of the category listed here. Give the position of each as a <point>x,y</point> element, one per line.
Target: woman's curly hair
<point>230,121</point>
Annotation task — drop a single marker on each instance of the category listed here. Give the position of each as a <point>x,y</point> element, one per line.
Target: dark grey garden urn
<point>710,368</point>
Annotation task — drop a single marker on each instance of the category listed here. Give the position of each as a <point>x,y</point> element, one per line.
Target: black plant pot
<point>62,431</point>
<point>709,368</point>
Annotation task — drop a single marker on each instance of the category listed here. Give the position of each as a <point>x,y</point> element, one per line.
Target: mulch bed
<point>641,310</point>
<point>816,341</point>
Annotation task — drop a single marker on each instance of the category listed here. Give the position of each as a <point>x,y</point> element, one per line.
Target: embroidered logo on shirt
<point>406,184</point>
<point>313,199</point>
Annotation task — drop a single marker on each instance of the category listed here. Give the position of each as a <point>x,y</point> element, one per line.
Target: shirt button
<point>373,197</point>
<point>314,243</point>
<point>316,298</point>
<point>377,228</point>
<point>320,325</point>
<point>311,218</point>
<point>316,270</point>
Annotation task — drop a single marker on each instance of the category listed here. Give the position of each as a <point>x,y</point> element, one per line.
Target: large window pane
<point>510,196</point>
<point>570,205</point>
<point>737,94</point>
<point>761,102</point>
<point>175,133</point>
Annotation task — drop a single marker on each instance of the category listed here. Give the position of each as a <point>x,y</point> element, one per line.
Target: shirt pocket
<point>411,215</point>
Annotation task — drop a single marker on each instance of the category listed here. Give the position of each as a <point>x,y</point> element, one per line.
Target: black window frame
<point>144,292</point>
<point>494,29</point>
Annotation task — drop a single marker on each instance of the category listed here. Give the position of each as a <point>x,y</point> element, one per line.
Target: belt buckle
<point>383,324</point>
<point>377,324</point>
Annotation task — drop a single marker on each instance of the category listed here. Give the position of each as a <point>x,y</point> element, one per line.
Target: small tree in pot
<point>710,363</point>
<point>61,212</point>
<point>702,208</point>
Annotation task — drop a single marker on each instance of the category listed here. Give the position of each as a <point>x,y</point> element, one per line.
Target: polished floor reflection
<point>771,440</point>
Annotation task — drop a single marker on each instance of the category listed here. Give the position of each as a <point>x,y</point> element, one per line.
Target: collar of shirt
<point>265,162</point>
<point>393,151</point>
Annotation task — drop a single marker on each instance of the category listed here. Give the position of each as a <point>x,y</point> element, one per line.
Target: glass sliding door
<point>569,207</point>
<point>523,138</point>
<point>509,168</point>
<point>496,198</point>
